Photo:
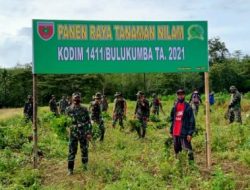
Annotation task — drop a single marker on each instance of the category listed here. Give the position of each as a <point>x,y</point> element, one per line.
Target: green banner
<point>72,47</point>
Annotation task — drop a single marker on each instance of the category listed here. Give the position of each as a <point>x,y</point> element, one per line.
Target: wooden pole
<point>35,139</point>
<point>208,131</point>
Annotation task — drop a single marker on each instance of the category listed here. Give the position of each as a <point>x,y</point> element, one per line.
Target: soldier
<point>142,113</point>
<point>234,106</point>
<point>195,101</point>
<point>182,125</point>
<point>119,110</point>
<point>104,104</point>
<point>53,105</point>
<point>156,105</point>
<point>63,104</point>
<point>81,130</point>
<point>28,109</point>
<point>68,101</point>
<point>96,116</point>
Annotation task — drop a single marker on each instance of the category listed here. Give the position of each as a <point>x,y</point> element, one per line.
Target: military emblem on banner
<point>195,32</point>
<point>45,30</point>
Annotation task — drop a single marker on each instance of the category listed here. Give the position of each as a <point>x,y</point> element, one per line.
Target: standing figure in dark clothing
<point>182,125</point>
<point>80,130</point>
<point>119,110</point>
<point>28,109</point>
<point>53,105</point>
<point>96,114</point>
<point>142,113</point>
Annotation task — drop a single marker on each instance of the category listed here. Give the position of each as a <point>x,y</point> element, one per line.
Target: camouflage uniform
<point>53,105</point>
<point>156,105</point>
<point>234,105</point>
<point>81,127</point>
<point>96,117</point>
<point>119,111</point>
<point>104,104</point>
<point>142,113</point>
<point>63,104</point>
<point>195,101</point>
<point>28,109</point>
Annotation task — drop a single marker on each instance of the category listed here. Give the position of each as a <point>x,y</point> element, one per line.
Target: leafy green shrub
<point>59,126</point>
<point>96,133</point>
<point>47,117</point>
<point>222,181</point>
<point>154,118</point>
<point>106,116</point>
<point>9,161</point>
<point>5,179</point>
<point>134,123</point>
<point>14,133</point>
<point>29,178</point>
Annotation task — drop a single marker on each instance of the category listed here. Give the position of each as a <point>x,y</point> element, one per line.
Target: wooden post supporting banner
<point>208,131</point>
<point>35,139</point>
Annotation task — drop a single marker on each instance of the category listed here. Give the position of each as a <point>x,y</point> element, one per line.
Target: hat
<point>196,92</point>
<point>232,88</point>
<point>140,93</point>
<point>118,94</point>
<point>76,94</point>
<point>98,95</point>
<point>29,96</point>
<point>180,91</point>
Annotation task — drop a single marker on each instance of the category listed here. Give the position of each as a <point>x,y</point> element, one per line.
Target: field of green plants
<point>122,161</point>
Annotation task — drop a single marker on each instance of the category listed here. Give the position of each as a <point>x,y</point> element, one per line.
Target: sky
<point>227,19</point>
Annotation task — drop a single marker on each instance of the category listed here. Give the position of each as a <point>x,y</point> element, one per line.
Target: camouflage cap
<point>140,93</point>
<point>98,95</point>
<point>118,94</point>
<point>232,88</point>
<point>75,95</point>
<point>29,96</point>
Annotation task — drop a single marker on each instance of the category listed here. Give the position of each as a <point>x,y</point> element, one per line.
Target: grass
<point>122,161</point>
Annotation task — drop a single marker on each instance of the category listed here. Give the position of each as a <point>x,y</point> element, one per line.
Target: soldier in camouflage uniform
<point>28,109</point>
<point>63,104</point>
<point>156,105</point>
<point>96,117</point>
<point>68,100</point>
<point>142,113</point>
<point>119,110</point>
<point>80,130</point>
<point>104,104</point>
<point>234,106</point>
<point>53,105</point>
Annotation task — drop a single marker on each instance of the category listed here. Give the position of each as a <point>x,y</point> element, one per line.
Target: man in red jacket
<point>182,125</point>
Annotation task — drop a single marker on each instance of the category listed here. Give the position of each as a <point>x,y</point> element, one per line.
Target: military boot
<point>143,133</point>
<point>70,167</point>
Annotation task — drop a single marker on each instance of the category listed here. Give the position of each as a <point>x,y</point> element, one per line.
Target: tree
<point>217,51</point>
<point>238,55</point>
<point>4,90</point>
